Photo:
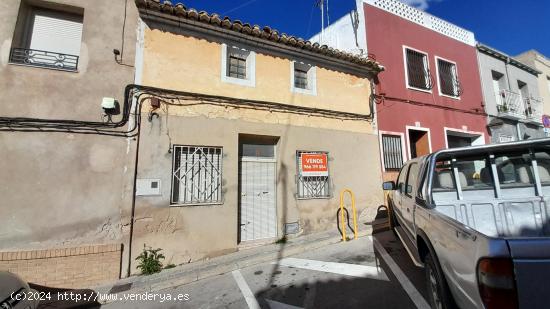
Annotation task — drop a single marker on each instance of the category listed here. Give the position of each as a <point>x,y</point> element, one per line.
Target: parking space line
<point>277,305</point>
<point>407,285</point>
<point>245,290</point>
<point>353,270</point>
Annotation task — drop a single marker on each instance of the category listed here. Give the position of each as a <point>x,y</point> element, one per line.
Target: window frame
<point>329,194</point>
<point>382,152</point>
<point>311,78</point>
<point>437,59</point>
<point>22,38</point>
<point>250,80</point>
<point>178,203</point>
<point>427,63</point>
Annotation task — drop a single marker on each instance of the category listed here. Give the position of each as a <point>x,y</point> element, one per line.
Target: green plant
<point>150,260</point>
<point>169,266</point>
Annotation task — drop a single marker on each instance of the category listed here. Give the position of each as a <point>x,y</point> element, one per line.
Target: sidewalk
<point>187,273</point>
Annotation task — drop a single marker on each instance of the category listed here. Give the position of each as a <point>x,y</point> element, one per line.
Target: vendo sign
<point>314,164</point>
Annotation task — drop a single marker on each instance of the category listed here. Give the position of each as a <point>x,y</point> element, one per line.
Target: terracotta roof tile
<point>266,32</point>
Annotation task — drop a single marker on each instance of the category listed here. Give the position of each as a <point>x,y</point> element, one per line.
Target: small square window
<point>303,78</point>
<point>238,66</point>
<point>300,78</point>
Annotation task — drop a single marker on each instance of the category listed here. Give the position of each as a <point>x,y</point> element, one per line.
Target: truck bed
<point>519,213</point>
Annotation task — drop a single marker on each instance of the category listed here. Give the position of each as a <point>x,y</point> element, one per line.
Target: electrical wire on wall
<point>168,98</point>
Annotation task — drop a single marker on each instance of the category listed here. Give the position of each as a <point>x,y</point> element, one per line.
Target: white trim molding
<point>403,146</point>
<point>418,128</point>
<point>405,47</point>
<point>250,80</point>
<point>480,140</point>
<point>424,19</point>
<point>438,79</point>
<point>311,78</point>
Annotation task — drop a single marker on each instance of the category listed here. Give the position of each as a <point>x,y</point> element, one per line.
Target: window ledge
<point>449,96</point>
<point>419,89</point>
<point>312,92</point>
<point>197,204</point>
<point>238,81</point>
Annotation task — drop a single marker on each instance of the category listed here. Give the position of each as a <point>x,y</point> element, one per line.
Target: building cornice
<point>502,56</point>
<point>213,25</point>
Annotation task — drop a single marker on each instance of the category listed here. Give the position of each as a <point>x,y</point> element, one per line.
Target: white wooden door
<point>257,202</point>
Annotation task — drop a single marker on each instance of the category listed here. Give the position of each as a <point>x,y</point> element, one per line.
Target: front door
<point>258,212</point>
<point>419,143</point>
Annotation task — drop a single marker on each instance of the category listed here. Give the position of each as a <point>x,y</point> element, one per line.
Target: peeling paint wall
<point>176,61</point>
<point>62,189</point>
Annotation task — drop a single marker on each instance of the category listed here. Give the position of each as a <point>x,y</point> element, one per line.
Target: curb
<point>171,280</point>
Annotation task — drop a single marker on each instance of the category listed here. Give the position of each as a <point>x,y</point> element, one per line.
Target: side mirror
<point>388,185</point>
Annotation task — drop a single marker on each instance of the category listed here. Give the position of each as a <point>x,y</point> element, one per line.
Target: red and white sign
<point>314,164</point>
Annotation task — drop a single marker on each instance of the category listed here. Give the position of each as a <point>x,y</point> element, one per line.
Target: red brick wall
<point>75,267</point>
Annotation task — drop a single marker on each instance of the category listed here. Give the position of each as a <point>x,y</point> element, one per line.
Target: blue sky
<point>508,25</point>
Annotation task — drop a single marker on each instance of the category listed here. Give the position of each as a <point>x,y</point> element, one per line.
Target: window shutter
<point>56,32</point>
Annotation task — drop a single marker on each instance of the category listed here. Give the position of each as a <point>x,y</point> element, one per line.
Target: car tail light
<point>497,285</point>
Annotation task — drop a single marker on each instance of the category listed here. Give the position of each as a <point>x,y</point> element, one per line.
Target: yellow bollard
<point>342,217</point>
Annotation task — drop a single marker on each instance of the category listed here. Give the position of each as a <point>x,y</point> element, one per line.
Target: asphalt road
<point>370,272</point>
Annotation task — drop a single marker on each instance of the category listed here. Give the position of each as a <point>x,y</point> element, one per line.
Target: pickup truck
<point>478,220</point>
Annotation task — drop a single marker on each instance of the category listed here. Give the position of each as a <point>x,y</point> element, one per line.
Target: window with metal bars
<point>196,175</point>
<point>448,78</point>
<point>311,187</point>
<point>418,72</point>
<point>300,78</point>
<point>236,66</point>
<point>392,152</point>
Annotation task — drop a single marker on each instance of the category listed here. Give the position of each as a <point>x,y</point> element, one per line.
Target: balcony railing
<point>511,105</point>
<point>43,59</point>
<point>533,110</point>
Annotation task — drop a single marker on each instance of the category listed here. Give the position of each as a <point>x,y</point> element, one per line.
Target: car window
<point>412,180</point>
<point>401,179</point>
<point>514,170</point>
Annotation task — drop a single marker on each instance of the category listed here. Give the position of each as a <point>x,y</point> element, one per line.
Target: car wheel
<point>439,295</point>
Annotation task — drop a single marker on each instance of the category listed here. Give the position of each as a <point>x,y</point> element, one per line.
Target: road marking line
<point>245,290</point>
<point>277,305</point>
<point>353,270</point>
<point>409,288</point>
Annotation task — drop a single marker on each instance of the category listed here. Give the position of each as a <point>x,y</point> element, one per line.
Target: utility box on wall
<point>148,187</point>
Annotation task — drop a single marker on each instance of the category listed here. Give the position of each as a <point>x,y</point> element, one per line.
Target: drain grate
<point>120,288</point>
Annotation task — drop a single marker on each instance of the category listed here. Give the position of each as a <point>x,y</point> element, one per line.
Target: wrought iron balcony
<point>533,110</point>
<point>43,59</point>
<point>510,104</point>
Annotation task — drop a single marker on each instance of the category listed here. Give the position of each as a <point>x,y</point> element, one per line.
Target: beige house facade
<point>542,64</point>
<point>255,139</point>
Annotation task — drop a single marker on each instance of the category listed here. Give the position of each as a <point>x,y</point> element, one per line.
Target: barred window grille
<point>197,175</point>
<point>300,78</point>
<point>392,152</point>
<point>418,73</point>
<point>448,78</point>
<point>310,187</point>
<point>237,66</point>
